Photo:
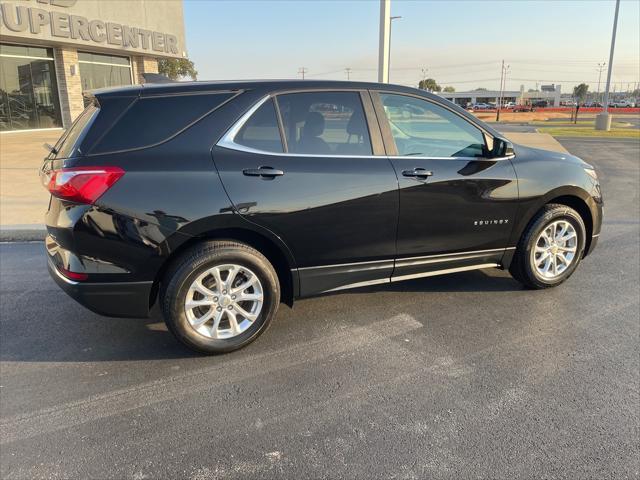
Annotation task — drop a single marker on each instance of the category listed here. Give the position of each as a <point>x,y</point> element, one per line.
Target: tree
<point>430,85</point>
<point>580,91</point>
<point>481,89</point>
<point>449,89</point>
<point>176,68</point>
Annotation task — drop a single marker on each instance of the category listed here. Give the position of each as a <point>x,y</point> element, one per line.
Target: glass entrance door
<point>28,90</point>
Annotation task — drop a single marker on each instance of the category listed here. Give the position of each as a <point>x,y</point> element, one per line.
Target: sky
<point>458,43</point>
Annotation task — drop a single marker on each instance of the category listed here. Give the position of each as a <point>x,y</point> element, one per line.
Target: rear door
<point>457,205</point>
<point>310,167</point>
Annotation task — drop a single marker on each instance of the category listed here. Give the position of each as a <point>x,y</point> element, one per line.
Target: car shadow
<point>70,333</point>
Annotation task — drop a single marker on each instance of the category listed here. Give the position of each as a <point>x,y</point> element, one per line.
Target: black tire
<point>185,269</point>
<point>521,266</point>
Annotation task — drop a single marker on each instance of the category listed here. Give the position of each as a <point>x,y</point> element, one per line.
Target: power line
<point>303,71</point>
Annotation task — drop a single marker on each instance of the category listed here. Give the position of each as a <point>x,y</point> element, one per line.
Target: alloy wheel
<point>555,249</point>
<point>224,301</point>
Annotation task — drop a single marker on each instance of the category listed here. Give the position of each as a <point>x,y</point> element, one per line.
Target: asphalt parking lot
<point>463,376</point>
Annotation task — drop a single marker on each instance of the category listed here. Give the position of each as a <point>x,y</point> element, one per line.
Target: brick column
<point>143,65</point>
<point>69,85</point>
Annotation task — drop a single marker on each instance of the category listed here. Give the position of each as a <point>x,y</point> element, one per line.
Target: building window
<point>100,71</point>
<point>28,89</point>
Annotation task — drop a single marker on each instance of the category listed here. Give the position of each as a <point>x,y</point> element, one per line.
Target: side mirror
<point>503,148</point>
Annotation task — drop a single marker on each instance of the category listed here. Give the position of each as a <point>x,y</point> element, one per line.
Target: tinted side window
<point>423,128</point>
<point>325,123</point>
<point>67,145</point>
<point>151,120</point>
<point>261,131</point>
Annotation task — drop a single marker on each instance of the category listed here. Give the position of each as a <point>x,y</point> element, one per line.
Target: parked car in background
<point>523,108</point>
<point>623,104</point>
<point>482,106</point>
<point>220,200</point>
<point>592,104</point>
<point>540,104</point>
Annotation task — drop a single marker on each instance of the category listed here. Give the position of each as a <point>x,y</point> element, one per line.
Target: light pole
<point>383,48</point>
<point>603,120</point>
<point>391,19</point>
<point>600,69</point>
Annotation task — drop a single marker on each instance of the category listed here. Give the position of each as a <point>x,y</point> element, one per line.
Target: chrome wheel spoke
<point>216,322</point>
<point>567,237</point>
<point>542,258</point>
<point>204,318</point>
<point>215,273</point>
<point>233,322</point>
<point>233,272</point>
<point>241,288</point>
<point>205,302</point>
<point>249,316</point>
<point>247,297</point>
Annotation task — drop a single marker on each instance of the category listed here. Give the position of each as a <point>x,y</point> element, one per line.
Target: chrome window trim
<point>228,141</point>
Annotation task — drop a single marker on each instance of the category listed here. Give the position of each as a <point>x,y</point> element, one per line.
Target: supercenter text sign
<point>63,21</point>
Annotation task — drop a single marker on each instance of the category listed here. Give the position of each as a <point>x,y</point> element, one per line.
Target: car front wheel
<point>550,248</point>
<point>219,296</point>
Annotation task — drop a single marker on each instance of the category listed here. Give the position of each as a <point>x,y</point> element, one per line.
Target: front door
<point>457,205</point>
<point>304,166</point>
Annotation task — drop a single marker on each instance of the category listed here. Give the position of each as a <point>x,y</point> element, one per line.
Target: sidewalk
<point>23,200</point>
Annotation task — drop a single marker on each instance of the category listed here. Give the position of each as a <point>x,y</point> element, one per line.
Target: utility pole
<point>348,71</point>
<point>503,86</point>
<point>500,94</point>
<point>302,71</point>
<point>424,76</point>
<point>599,69</point>
<point>383,48</point>
<point>603,120</point>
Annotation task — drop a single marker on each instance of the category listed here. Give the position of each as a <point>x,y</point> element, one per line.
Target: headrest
<point>357,124</point>
<point>313,125</point>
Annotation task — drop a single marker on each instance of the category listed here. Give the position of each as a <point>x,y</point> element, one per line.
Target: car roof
<point>149,89</point>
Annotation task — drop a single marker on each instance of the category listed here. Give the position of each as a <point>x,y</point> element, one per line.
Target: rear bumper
<point>113,299</point>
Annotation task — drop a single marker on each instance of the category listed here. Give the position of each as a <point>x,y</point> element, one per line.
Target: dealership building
<point>552,94</point>
<point>52,51</point>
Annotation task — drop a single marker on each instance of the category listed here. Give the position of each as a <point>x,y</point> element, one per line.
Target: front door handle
<point>268,172</point>
<point>417,173</point>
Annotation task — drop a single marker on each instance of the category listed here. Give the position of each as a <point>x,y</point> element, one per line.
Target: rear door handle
<point>268,172</point>
<point>417,173</point>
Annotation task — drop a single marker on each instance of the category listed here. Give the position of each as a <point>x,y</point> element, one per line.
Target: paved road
<point>466,376</point>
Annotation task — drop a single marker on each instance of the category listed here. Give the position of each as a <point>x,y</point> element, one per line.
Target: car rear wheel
<point>550,248</point>
<point>219,296</point>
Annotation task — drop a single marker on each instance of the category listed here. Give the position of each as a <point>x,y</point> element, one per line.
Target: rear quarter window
<point>152,120</point>
<point>69,143</point>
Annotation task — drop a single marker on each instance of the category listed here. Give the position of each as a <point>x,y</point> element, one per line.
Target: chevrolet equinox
<point>220,200</point>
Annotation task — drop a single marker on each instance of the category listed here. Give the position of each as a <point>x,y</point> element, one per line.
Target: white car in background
<point>623,104</point>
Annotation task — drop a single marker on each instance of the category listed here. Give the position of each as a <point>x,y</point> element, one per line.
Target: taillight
<point>73,275</point>
<point>82,184</point>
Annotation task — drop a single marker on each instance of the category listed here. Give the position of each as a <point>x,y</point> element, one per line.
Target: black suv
<point>221,200</point>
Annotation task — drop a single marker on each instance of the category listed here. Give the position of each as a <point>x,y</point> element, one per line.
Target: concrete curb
<point>22,233</point>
